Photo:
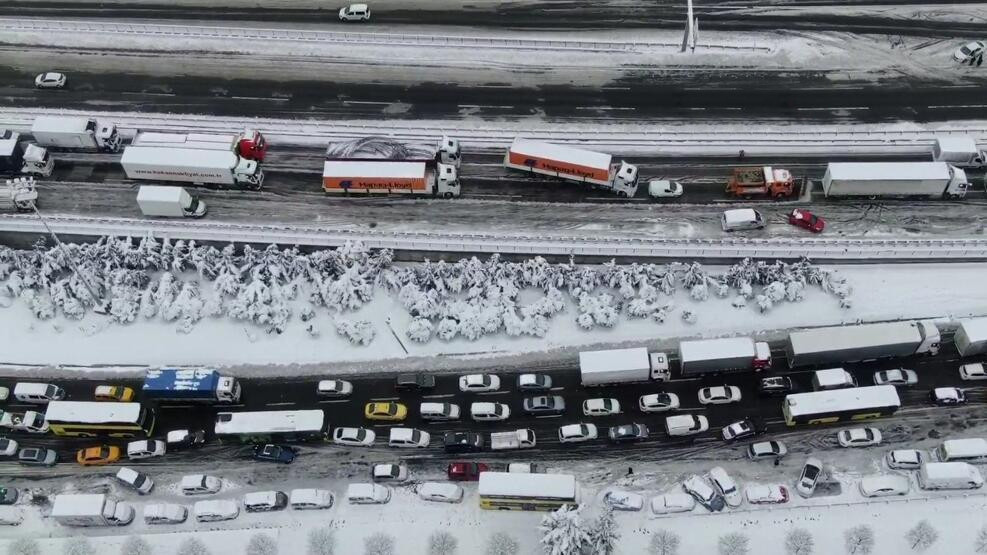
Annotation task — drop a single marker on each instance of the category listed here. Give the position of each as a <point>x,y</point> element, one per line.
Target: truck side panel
<point>558,168</point>
<point>835,345</point>
<point>971,337</point>
<point>699,367</point>
<point>343,184</point>
<point>184,385</point>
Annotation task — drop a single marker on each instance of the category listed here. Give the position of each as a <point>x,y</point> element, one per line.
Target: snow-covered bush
<point>24,546</point>
<point>360,332</point>
<point>664,542</point>
<point>859,540</point>
<point>502,543</point>
<point>378,544</point>
<point>442,543</point>
<point>563,532</point>
<point>922,536</point>
<point>192,546</point>
<point>262,544</point>
<point>78,545</point>
<point>321,541</point>
<point>447,330</point>
<point>798,541</point>
<point>135,545</point>
<point>734,543</point>
<point>419,330</point>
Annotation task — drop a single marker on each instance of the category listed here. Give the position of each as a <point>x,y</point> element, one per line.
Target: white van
<point>970,450</point>
<point>408,437</point>
<point>311,498</point>
<point>262,501</point>
<point>165,513</point>
<point>686,424</point>
<point>368,494</point>
<point>215,509</point>
<point>949,475</point>
<point>832,378</point>
<point>439,411</point>
<point>741,219</point>
<point>198,484</point>
<point>30,392</point>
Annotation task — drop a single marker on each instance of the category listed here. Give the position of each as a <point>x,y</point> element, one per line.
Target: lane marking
<point>286,403</point>
<point>438,396</point>
<point>385,399</point>
<point>335,401</point>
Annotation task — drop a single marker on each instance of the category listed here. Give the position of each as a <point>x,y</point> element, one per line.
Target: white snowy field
<point>964,13</point>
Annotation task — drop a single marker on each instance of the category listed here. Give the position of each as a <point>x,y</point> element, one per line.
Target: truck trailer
<point>619,366</point>
<point>372,149</point>
<point>382,177</point>
<point>248,144</point>
<point>515,439</point>
<point>19,157</point>
<point>932,180</point>
<point>190,384</point>
<point>962,152</point>
<point>191,165</point>
<point>18,194</point>
<point>95,509</point>
<point>77,133</point>
<point>728,354</point>
<point>169,201</point>
<point>840,344</point>
<point>971,337</point>
<point>573,164</point>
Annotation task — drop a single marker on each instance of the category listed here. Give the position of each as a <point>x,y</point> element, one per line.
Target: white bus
<point>92,419</point>
<point>855,403</point>
<point>272,425</point>
<point>971,450</point>
<point>527,492</point>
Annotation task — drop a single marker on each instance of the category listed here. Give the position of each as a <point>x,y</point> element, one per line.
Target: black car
<point>462,442</point>
<point>775,386</point>
<point>544,404</point>
<point>417,381</point>
<point>947,396</point>
<point>628,433</point>
<point>274,453</point>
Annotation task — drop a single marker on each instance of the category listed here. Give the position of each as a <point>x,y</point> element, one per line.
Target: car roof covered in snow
<point>740,215</point>
<point>880,171</point>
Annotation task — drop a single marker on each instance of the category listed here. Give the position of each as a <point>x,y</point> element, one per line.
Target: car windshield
<point>416,436</point>
<point>965,49</point>
<point>51,390</point>
<point>390,409</point>
<point>583,430</point>
<point>360,434</point>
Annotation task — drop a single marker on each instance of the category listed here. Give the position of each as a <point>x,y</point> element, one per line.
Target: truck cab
<point>228,390</point>
<point>624,180</point>
<point>37,161</point>
<point>248,172</point>
<point>660,368</point>
<point>447,181</point>
<point>106,135</point>
<point>252,145</point>
<point>958,183</point>
<point>449,152</point>
<point>931,338</point>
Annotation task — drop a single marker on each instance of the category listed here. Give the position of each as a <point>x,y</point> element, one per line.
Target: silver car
<point>50,80</point>
<point>811,472</point>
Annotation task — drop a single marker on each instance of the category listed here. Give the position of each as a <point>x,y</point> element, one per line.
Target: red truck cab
<point>466,471</point>
<point>252,145</point>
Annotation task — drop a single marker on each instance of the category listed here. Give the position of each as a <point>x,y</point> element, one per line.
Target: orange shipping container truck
<point>572,164</point>
<point>390,177</point>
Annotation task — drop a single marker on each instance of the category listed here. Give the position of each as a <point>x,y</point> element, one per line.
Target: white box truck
<point>169,202</point>
<point>619,366</point>
<point>91,510</point>
<point>73,132</point>
<point>727,354</point>
<point>189,165</point>
<point>971,337</point>
<point>573,164</point>
<point>515,439</point>
<point>932,180</point>
<point>842,344</point>
<point>959,151</point>
<point>949,475</point>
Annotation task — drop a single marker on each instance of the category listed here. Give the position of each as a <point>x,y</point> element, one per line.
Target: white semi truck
<point>962,152</point>
<point>169,202</point>
<point>90,509</point>
<point>573,164</point>
<point>841,344</point>
<point>932,180</point>
<point>515,439</point>
<point>77,133</point>
<point>727,354</point>
<point>382,177</point>
<point>618,366</point>
<point>19,157</point>
<point>190,165</point>
<point>18,194</point>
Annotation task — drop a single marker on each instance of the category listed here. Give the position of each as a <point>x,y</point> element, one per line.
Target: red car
<point>466,471</point>
<point>806,220</point>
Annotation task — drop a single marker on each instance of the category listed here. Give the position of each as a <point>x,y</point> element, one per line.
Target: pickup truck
<point>517,439</point>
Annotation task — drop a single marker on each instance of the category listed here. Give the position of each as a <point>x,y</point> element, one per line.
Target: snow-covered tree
<point>664,542</point>
<point>262,544</point>
<point>859,540</point>
<point>378,543</point>
<point>321,541</point>
<point>192,546</point>
<point>419,330</point>
<point>447,330</point>
<point>24,546</point>
<point>734,543</point>
<point>604,534</point>
<point>689,317</point>
<point>502,543</point>
<point>360,332</point>
<point>77,545</point>
<point>563,532</point>
<point>798,541</point>
<point>980,543</point>
<point>922,536</point>
<point>135,545</point>
<point>442,543</point>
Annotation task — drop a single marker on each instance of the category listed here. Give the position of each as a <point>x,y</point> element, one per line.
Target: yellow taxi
<point>98,455</point>
<point>385,411</point>
<point>114,393</point>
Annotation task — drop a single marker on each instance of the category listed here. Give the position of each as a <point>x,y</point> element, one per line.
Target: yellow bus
<point>92,419</point>
<point>527,492</point>
<point>837,405</point>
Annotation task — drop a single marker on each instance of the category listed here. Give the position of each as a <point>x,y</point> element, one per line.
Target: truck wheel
<point>447,195</point>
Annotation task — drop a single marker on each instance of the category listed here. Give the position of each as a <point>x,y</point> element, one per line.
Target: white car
<point>719,395</point>
<point>443,492</point>
<point>388,472</point>
<point>479,383</point>
<point>574,433</point>
<point>811,472</point>
<point>50,80</point>
<point>658,402</point>
<point>165,513</point>
<point>664,188</point>
<point>973,371</point>
<point>883,485</point>
<point>334,388</point>
<point>489,412</point>
<point>367,494</point>
<point>8,447</point>
<point>215,510</point>
<point>200,484</point>
<point>672,503</point>
<point>311,498</point>
<point>904,459</point>
<point>968,51</point>
<point>725,485</point>
<point>859,437</point>
<point>601,407</point>
<point>356,437</point>
<point>4,393</point>
<point>137,481</point>
<point>534,382</point>
<point>621,500</point>
<point>355,12</point>
<point>897,376</point>
<point>145,449</point>
<point>766,450</point>
<point>408,437</point>
<point>760,495</point>
<point>704,493</point>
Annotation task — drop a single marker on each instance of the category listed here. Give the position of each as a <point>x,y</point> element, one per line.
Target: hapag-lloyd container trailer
<point>894,179</point>
<point>383,177</point>
<point>839,344</point>
<point>190,165</point>
<point>572,164</point>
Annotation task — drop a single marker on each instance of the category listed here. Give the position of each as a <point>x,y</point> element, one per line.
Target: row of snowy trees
<point>184,282</point>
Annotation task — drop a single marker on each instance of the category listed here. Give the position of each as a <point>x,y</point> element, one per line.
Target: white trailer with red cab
<point>382,177</point>
<point>249,144</point>
<point>728,354</point>
<point>573,164</point>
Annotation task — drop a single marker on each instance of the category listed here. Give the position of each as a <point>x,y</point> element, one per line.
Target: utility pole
<point>99,306</point>
<point>691,29</point>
